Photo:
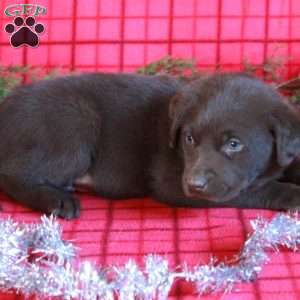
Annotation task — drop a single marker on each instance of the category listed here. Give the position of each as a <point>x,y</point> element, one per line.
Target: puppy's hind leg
<point>41,197</point>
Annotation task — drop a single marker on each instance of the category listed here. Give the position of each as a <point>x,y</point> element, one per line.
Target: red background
<point>116,35</point>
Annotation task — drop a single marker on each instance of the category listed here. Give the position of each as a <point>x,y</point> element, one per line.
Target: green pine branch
<point>272,70</point>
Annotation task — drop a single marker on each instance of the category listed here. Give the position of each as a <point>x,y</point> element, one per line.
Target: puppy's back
<point>59,125</point>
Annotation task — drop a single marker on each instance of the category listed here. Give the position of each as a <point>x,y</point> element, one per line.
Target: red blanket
<point>111,232</point>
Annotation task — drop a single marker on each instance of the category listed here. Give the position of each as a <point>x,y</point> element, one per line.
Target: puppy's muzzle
<point>199,183</point>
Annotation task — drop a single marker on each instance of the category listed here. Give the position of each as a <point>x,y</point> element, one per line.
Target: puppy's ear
<point>175,116</point>
<point>286,129</point>
<point>177,109</point>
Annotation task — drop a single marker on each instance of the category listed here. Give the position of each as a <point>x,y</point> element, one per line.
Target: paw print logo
<point>24,32</point>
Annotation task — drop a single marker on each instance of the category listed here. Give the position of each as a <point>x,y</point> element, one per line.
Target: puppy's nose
<point>198,183</point>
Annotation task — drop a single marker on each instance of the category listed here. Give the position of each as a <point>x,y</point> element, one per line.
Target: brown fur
<point>130,136</point>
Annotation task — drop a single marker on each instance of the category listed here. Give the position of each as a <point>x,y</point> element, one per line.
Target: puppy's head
<point>230,130</point>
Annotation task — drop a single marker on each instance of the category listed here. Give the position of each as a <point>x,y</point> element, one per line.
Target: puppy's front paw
<point>67,208</point>
<point>294,206</point>
<point>292,201</point>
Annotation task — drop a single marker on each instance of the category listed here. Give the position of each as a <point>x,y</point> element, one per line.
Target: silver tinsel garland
<point>34,260</point>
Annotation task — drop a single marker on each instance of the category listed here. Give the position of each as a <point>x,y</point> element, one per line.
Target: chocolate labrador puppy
<point>224,140</point>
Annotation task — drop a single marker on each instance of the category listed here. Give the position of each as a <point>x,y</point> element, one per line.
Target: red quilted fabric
<point>121,35</point>
<point>111,232</point>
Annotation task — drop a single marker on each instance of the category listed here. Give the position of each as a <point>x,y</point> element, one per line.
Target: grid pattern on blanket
<point>112,232</point>
<point>121,35</point>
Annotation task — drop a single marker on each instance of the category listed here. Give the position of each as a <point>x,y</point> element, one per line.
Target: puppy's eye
<point>233,145</point>
<point>189,139</point>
